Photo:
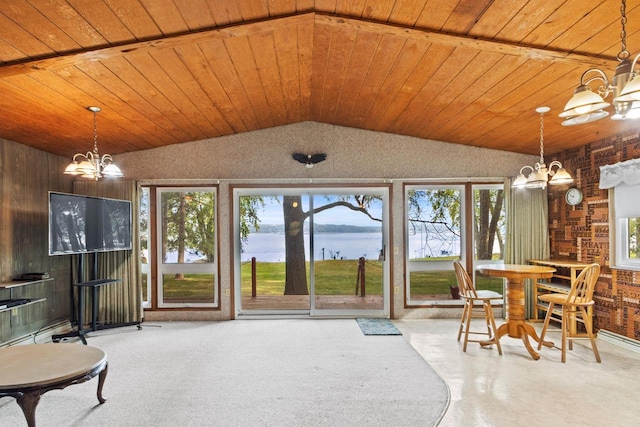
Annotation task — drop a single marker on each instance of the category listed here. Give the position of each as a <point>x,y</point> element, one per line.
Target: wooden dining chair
<point>477,304</point>
<point>575,306</point>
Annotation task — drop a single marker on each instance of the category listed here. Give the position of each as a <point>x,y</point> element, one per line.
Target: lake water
<point>269,247</point>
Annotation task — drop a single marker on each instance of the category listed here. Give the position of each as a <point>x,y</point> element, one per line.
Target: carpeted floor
<point>294,372</point>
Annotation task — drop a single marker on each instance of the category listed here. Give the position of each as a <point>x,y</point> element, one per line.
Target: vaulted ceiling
<point>168,71</point>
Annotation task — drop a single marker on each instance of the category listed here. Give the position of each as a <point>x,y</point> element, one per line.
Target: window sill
<point>626,267</point>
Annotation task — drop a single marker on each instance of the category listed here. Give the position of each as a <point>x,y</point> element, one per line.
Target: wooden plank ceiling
<point>168,71</point>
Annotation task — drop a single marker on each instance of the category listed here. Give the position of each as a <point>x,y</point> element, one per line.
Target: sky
<point>272,212</point>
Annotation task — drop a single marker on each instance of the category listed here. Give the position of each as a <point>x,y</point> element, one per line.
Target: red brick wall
<point>581,233</point>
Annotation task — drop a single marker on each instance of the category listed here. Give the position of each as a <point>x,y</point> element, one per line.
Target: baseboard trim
<point>40,336</point>
<point>619,340</point>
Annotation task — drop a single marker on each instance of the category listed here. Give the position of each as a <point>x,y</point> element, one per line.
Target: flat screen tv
<point>80,224</point>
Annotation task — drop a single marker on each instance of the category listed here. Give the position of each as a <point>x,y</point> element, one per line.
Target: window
<point>449,222</point>
<point>144,221</point>
<point>178,242</point>
<point>626,224</point>
<point>434,230</point>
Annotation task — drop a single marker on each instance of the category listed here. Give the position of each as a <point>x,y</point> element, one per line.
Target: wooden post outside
<point>361,262</point>
<point>253,277</point>
<point>360,277</point>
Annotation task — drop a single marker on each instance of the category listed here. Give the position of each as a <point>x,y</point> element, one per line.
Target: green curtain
<point>119,302</point>
<point>527,231</point>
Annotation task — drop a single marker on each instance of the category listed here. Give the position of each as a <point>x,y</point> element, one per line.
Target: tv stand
<point>81,331</point>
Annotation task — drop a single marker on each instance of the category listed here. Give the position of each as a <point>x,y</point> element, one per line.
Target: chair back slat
<point>582,290</point>
<point>464,281</point>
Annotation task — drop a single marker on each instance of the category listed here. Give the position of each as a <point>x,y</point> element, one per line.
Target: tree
<point>188,219</point>
<point>634,234</point>
<point>249,215</point>
<point>436,215</point>
<point>294,218</point>
<point>441,209</point>
<point>445,209</point>
<point>489,216</point>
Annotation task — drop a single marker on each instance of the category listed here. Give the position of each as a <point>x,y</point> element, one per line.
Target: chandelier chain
<point>541,138</point>
<point>95,133</point>
<point>624,53</point>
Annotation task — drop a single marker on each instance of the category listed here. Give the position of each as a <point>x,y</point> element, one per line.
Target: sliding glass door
<point>311,252</point>
<point>347,235</point>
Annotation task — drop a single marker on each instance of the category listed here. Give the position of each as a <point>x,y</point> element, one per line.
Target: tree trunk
<point>182,235</point>
<point>483,251</point>
<point>494,231</point>
<point>487,223</point>
<point>296,269</point>
<point>165,221</point>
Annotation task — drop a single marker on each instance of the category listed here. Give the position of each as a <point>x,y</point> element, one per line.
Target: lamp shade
<point>561,177</point>
<point>86,167</point>
<point>72,169</point>
<point>537,178</point>
<point>586,118</point>
<point>520,181</point>
<point>630,92</point>
<point>632,113</point>
<point>112,171</point>
<point>584,101</point>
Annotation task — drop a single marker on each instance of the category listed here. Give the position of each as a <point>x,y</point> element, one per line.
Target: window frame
<point>620,246</point>
<point>154,281</point>
<point>619,234</point>
<point>408,300</point>
<point>467,233</point>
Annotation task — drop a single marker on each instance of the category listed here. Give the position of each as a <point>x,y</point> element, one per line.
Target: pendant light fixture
<point>588,106</point>
<point>91,165</point>
<point>540,174</point>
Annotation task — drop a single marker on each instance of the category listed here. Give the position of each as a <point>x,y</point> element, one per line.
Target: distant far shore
<point>319,228</point>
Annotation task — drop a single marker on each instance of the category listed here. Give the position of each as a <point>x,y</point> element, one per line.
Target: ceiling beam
<point>165,42</point>
<point>454,40</point>
<point>243,29</point>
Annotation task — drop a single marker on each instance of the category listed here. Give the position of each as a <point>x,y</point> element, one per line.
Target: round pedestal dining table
<point>516,325</point>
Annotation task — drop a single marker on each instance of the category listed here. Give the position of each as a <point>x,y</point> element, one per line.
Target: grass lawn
<point>332,277</point>
<point>189,288</point>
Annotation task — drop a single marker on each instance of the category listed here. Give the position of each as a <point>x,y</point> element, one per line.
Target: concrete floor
<point>512,389</point>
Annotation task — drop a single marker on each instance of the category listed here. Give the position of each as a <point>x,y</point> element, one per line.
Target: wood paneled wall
<point>582,232</point>
<point>26,176</point>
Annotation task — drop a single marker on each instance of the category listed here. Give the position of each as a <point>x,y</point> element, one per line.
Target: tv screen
<point>80,224</point>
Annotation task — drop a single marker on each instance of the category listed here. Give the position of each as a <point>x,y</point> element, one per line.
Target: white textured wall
<point>352,154</point>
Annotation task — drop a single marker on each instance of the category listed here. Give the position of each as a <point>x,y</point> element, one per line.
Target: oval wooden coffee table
<point>29,371</point>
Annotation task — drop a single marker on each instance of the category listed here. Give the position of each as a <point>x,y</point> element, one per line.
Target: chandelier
<point>587,106</point>
<point>91,165</point>
<point>539,174</point>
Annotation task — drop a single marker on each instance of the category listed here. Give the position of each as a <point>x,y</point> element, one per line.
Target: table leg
<point>516,325</point>
<point>502,330</point>
<point>94,308</point>
<point>81,291</point>
<point>28,402</point>
<point>530,331</point>
<point>525,339</point>
<point>101,378</point>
